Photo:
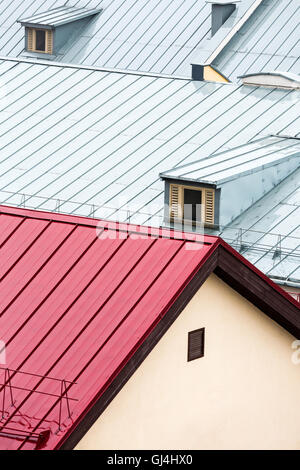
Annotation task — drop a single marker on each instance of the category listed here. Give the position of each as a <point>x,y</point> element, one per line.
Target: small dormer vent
<point>207,73</point>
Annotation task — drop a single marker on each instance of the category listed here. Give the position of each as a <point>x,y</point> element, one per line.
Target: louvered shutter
<point>209,206</point>
<point>196,344</point>
<point>49,42</point>
<point>175,202</point>
<point>30,39</point>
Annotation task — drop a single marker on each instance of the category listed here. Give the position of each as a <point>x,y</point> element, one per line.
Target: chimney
<point>220,12</point>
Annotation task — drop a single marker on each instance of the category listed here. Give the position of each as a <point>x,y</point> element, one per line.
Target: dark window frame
<point>192,204</point>
<point>37,32</point>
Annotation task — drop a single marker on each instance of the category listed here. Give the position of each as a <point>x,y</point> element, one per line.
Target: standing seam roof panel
<point>79,314</point>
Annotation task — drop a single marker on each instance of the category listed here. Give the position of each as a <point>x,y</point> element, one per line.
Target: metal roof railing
<point>247,241</point>
<point>77,208</point>
<point>9,408</point>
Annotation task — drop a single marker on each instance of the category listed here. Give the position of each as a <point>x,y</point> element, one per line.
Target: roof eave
<point>37,25</point>
<point>58,23</point>
<point>165,176</point>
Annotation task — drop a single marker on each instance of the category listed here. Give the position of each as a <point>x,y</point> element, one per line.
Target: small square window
<point>196,344</point>
<point>192,204</point>
<point>40,40</point>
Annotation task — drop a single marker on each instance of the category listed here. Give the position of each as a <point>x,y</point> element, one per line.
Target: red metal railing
<point>7,402</point>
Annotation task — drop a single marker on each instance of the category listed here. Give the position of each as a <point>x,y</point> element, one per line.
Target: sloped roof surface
<point>270,235</point>
<point>58,16</point>
<point>75,307</point>
<point>268,41</point>
<point>165,37</point>
<point>88,142</point>
<point>228,165</point>
<point>80,296</point>
<point>87,137</point>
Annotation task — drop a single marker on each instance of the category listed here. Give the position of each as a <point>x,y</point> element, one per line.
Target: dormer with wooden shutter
<point>223,186</point>
<point>39,40</point>
<point>47,33</point>
<point>192,204</point>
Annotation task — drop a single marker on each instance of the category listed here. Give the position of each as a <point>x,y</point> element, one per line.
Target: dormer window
<point>39,40</point>
<point>228,183</point>
<point>48,32</point>
<point>191,204</point>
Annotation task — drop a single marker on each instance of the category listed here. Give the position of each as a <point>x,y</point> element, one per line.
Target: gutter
<point>284,282</point>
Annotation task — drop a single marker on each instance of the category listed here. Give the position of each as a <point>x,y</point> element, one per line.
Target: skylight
<point>274,79</point>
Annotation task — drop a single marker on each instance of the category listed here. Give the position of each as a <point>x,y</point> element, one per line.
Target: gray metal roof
<point>212,46</point>
<point>58,16</point>
<point>269,232</point>
<point>85,141</point>
<point>167,36</point>
<point>225,166</point>
<point>222,2</point>
<point>147,35</point>
<point>269,40</point>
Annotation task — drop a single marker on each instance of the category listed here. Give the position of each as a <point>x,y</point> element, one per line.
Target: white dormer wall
<point>238,194</point>
<point>64,34</point>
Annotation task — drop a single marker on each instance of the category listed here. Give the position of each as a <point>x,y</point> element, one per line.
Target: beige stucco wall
<point>243,394</point>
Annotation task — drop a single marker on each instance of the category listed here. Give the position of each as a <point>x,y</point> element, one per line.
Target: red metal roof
<point>74,308</point>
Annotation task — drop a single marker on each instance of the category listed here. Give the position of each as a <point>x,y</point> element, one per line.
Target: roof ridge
<point>159,232</point>
<point>94,68</point>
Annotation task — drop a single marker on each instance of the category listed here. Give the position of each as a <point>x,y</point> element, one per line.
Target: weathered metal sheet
<point>85,141</point>
<point>268,41</point>
<point>58,16</point>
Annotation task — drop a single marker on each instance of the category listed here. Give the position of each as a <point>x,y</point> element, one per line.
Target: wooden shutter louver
<point>209,206</point>
<point>49,42</point>
<point>30,39</point>
<point>196,344</point>
<point>175,202</point>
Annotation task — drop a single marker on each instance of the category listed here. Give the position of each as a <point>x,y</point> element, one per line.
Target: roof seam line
<point>94,68</point>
